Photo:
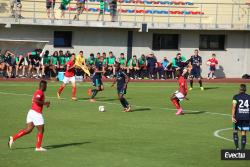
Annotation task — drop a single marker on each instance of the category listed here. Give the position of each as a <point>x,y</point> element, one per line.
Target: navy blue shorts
<point>242,125</point>
<point>97,82</point>
<point>121,90</point>
<point>195,73</point>
<point>212,68</point>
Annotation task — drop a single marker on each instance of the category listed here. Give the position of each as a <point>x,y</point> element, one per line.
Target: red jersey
<point>183,85</point>
<point>213,61</point>
<point>40,96</point>
<point>70,72</point>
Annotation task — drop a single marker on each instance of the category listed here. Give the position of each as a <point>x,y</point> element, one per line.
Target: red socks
<point>19,134</point>
<point>39,139</point>
<point>73,91</point>
<point>176,104</point>
<point>60,89</point>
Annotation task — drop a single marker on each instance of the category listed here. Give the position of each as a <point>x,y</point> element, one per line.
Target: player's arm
<point>69,68</point>
<point>126,80</point>
<point>234,110</point>
<point>114,82</point>
<point>9,53</point>
<point>40,102</point>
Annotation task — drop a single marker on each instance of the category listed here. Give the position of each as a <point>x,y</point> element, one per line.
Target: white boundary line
<point>216,133</point>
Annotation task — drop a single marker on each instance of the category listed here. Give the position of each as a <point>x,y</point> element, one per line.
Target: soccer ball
<point>101,108</point>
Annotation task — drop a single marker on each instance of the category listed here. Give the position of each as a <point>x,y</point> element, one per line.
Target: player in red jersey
<point>69,76</point>
<point>34,117</point>
<point>181,94</point>
<point>212,62</point>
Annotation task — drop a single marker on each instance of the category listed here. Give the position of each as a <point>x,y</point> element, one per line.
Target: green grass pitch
<point>76,134</point>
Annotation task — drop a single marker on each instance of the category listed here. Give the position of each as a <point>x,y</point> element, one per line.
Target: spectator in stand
<point>34,63</point>
<point>62,61</point>
<point>212,62</point>
<point>168,71</point>
<point>179,63</point>
<point>54,65</point>
<point>67,57</point>
<point>151,65</point>
<point>113,9</point>
<point>133,67</point>
<point>46,61</point>
<point>102,10</point>
<point>91,63</point>
<point>123,62</point>
<point>9,61</point>
<point>2,65</point>
<point>15,9</point>
<point>111,65</point>
<point>98,55</point>
<point>160,71</point>
<point>142,67</point>
<point>63,7</point>
<point>80,4</point>
<point>50,5</point>
<point>20,65</point>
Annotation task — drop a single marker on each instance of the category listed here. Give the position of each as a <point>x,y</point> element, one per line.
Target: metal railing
<point>233,14</point>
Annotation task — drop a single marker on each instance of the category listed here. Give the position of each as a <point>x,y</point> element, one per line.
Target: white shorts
<point>179,95</point>
<point>35,117</point>
<point>66,80</point>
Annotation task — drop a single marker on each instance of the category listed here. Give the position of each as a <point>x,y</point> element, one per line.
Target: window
<point>63,39</point>
<point>212,42</point>
<point>165,41</point>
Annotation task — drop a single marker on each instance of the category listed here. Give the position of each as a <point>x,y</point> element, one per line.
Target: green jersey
<point>46,59</point>
<point>111,60</point>
<point>65,2</point>
<point>134,62</point>
<point>91,61</point>
<point>102,5</point>
<point>105,60</point>
<point>142,61</point>
<point>54,60</point>
<point>122,61</point>
<point>67,58</point>
<point>61,59</point>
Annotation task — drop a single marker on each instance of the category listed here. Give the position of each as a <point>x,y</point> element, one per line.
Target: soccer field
<point>76,134</point>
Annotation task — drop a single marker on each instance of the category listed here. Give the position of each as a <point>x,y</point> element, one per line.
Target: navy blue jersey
<point>196,61</point>
<point>120,78</point>
<point>98,67</point>
<point>242,106</point>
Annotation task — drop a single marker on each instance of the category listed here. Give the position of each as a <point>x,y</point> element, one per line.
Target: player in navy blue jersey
<point>97,79</point>
<point>122,81</point>
<point>241,116</point>
<point>196,62</point>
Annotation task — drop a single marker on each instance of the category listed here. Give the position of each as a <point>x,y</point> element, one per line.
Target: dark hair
<point>178,54</point>
<point>47,52</point>
<point>110,52</point>
<point>81,51</point>
<point>196,50</point>
<point>92,54</point>
<point>55,53</point>
<point>42,82</point>
<point>98,53</point>
<point>122,53</point>
<point>243,87</point>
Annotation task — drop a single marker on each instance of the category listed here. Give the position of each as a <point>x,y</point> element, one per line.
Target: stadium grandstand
<point>133,27</point>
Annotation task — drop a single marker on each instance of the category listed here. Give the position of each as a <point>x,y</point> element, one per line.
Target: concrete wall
<point>233,61</point>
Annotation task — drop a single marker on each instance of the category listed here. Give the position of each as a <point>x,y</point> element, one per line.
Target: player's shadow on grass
<point>111,99</point>
<point>55,146</point>
<point>210,88</point>
<point>141,109</point>
<point>198,112</point>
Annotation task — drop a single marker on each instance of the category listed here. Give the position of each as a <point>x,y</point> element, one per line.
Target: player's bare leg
<point>39,138</point>
<point>60,90</point>
<point>176,103</point>
<point>29,127</point>
<point>74,91</point>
